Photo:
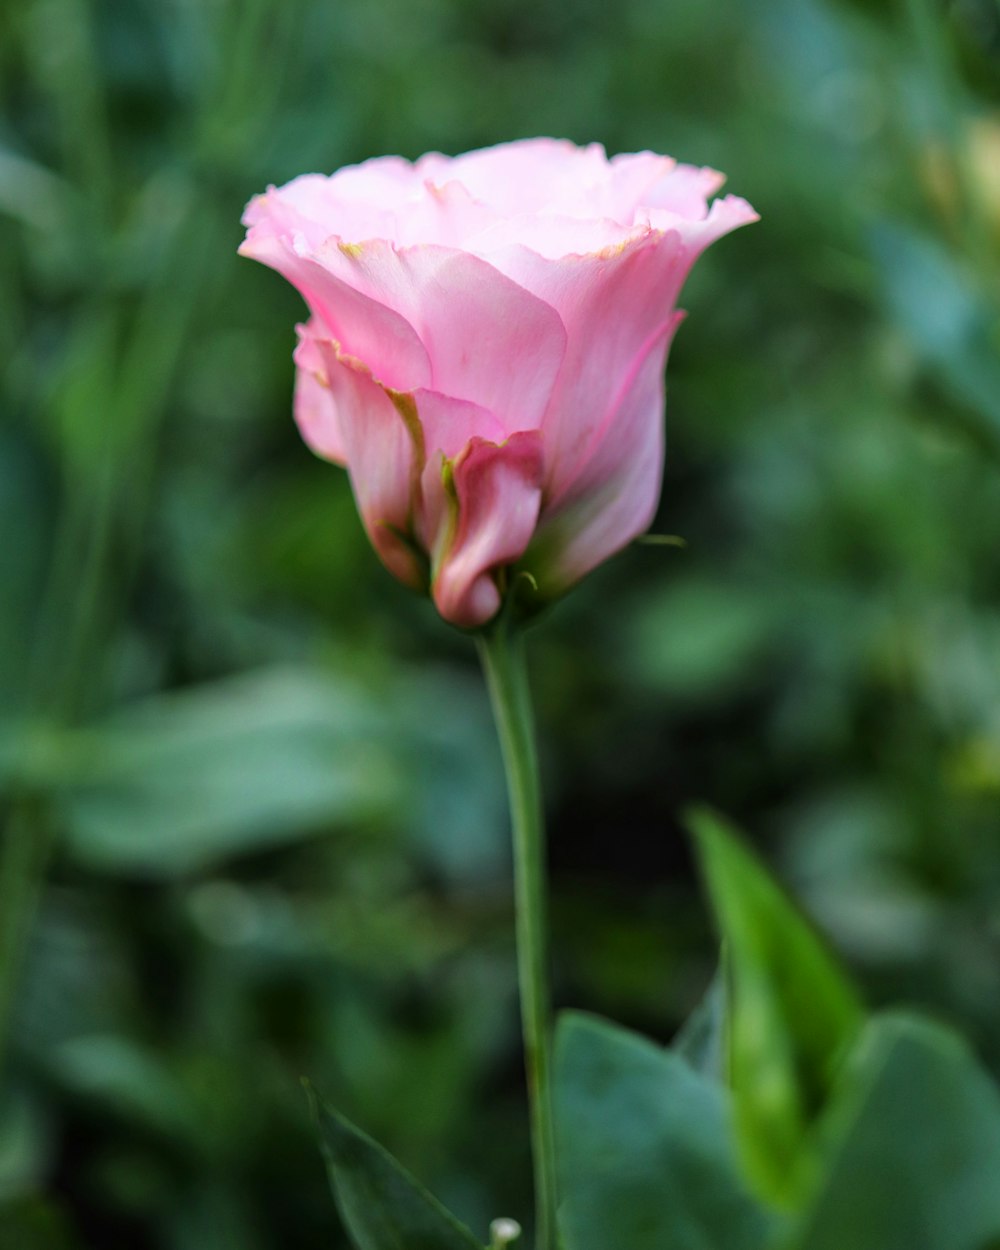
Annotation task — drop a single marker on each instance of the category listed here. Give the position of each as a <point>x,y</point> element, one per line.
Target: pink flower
<point>486,347</point>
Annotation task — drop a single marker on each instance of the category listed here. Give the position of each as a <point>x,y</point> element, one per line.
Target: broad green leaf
<point>792,1013</point>
<point>382,1205</point>
<point>914,1147</point>
<point>645,1151</point>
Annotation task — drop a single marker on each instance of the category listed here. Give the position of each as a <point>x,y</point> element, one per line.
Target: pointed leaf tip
<point>791,1014</point>
<point>382,1205</point>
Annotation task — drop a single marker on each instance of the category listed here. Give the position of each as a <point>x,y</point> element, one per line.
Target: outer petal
<point>315,411</point>
<point>497,493</point>
<point>725,215</point>
<point>383,460</point>
<point>613,304</point>
<point>382,199</point>
<point>615,496</point>
<point>488,340</point>
<point>366,328</point>
<point>643,181</point>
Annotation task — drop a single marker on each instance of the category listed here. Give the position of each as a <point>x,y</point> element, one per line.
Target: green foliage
<point>791,1012</point>
<point>34,1225</point>
<point>181,783</point>
<point>199,655</point>
<point>382,1205</point>
<point>902,1149</point>
<point>912,1138</point>
<point>645,1148</point>
<point>889,1132</point>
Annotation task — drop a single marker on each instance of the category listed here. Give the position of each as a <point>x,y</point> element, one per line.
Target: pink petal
<point>526,176</point>
<point>447,427</point>
<point>366,328</point>
<point>686,190</point>
<point>449,423</point>
<point>725,215</point>
<point>614,498</point>
<point>315,411</point>
<point>488,340</point>
<point>306,207</point>
<point>613,303</point>
<point>555,236</point>
<point>498,493</point>
<point>382,456</point>
<point>377,200</point>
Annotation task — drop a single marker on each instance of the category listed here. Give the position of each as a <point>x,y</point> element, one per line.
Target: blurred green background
<point>266,773</point>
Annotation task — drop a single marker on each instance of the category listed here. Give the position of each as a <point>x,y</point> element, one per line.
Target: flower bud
<point>485,350</point>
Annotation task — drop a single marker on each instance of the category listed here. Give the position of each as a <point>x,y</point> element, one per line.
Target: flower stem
<point>501,650</point>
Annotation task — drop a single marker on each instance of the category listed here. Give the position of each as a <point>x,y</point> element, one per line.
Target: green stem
<point>502,652</point>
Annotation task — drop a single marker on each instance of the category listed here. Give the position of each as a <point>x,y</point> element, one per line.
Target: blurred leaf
<point>382,1205</point>
<point>125,1078</point>
<point>32,193</point>
<point>645,1149</point>
<point>695,639</point>
<point>25,1142</point>
<point>33,1224</point>
<point>914,1147</point>
<point>792,1013</point>
<point>183,781</point>
<point>947,319</point>
<point>438,727</point>
<point>187,779</point>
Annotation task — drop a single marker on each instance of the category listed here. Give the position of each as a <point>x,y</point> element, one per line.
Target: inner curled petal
<point>497,495</point>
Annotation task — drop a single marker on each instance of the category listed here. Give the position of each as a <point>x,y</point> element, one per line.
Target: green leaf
<point>645,1151</point>
<point>792,1013</point>
<point>382,1205</point>
<point>914,1147</point>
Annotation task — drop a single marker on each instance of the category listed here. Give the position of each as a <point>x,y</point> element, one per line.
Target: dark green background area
<point>281,840</point>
